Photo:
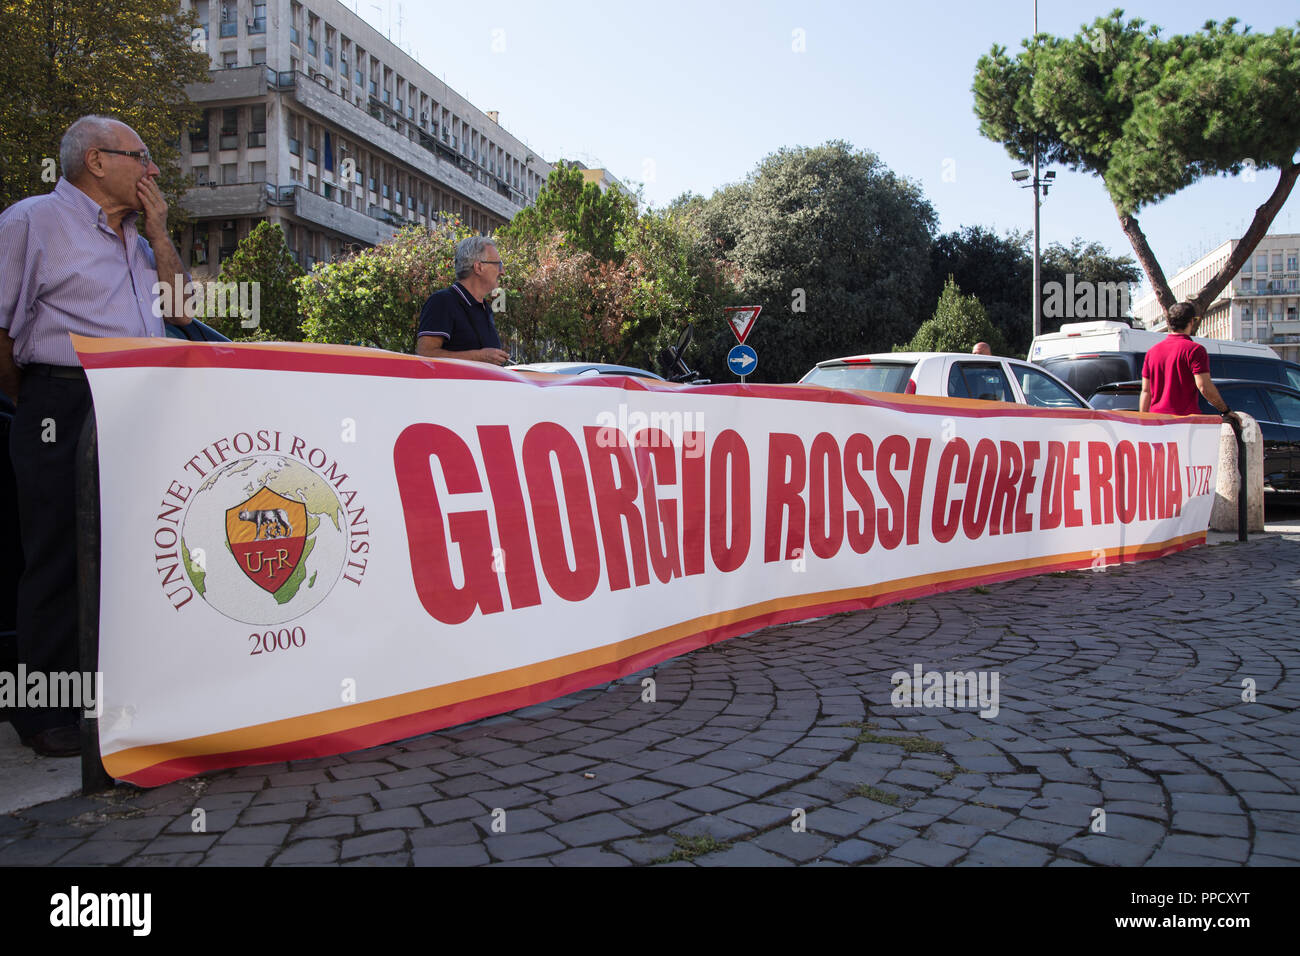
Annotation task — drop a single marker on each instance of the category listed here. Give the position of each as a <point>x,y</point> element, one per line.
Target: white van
<point>1088,355</point>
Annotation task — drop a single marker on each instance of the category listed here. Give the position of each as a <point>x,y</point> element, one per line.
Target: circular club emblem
<point>264,539</point>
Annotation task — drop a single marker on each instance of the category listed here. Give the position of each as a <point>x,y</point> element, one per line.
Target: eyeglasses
<point>141,154</point>
<point>493,262</point>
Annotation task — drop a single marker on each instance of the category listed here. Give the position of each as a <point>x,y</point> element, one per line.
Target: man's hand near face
<point>153,209</point>
<point>154,212</point>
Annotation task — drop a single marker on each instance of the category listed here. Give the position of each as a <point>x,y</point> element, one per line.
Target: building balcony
<point>228,202</point>
<point>331,215</point>
<point>380,136</point>
<point>238,83</point>
<point>1286,328</point>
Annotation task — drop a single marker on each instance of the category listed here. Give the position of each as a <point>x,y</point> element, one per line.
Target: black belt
<point>55,371</point>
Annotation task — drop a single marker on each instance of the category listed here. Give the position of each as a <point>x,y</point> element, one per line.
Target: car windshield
<point>1112,400</point>
<point>871,377</point>
<point>1086,375</point>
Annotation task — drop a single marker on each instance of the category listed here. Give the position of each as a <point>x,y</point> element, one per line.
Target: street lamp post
<point>1020,175</point>
<point>1035,182</point>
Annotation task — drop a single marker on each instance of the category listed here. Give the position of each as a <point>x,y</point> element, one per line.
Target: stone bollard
<point>1223,514</point>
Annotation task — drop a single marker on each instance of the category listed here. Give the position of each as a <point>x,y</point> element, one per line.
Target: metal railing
<point>280,195</point>
<point>1243,490</point>
<point>283,80</point>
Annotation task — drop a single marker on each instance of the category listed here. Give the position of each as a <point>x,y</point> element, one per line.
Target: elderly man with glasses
<point>84,258</point>
<point>457,322</point>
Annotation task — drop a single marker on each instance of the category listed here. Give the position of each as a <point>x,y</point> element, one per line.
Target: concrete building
<point>601,177</point>
<point>1260,303</point>
<point>315,120</point>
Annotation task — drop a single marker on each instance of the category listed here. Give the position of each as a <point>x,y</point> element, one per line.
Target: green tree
<point>589,220</point>
<point>997,270</point>
<point>64,59</point>
<point>832,244</point>
<point>374,297</point>
<point>567,304</point>
<point>591,280</point>
<point>959,322</point>
<point>1082,263</point>
<point>263,257</point>
<point>679,283</point>
<point>1151,116</point>
<point>549,308</point>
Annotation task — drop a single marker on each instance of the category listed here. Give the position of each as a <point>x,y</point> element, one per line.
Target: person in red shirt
<point>1176,369</point>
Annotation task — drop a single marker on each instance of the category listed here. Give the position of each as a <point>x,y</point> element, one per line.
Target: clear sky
<point>685,96</point>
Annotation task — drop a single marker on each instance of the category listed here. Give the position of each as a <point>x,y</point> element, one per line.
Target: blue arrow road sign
<point>742,360</point>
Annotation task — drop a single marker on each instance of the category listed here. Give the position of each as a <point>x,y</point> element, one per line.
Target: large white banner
<point>313,549</point>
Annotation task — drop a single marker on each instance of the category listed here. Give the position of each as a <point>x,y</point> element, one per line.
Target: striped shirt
<point>63,269</point>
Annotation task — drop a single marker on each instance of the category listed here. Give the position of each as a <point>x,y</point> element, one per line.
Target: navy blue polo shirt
<point>463,322</point>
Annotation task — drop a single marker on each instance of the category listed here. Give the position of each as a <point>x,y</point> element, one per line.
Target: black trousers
<point>43,446</point>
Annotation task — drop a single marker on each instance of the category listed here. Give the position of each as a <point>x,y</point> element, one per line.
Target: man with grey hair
<point>457,322</point>
<point>83,258</point>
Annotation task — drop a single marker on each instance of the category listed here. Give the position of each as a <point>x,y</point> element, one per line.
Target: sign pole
<point>740,319</point>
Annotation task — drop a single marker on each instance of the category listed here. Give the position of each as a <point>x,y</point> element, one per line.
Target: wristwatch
<point>1226,412</point>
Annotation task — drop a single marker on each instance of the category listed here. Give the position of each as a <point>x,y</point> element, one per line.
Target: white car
<point>955,374</point>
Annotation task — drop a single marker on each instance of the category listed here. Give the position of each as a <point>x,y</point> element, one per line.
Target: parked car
<point>585,368</point>
<point>1275,407</point>
<point>1087,355</point>
<point>955,374</point>
<point>672,360</point>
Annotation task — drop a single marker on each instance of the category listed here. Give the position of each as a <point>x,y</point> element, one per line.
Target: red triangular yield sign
<point>741,318</point>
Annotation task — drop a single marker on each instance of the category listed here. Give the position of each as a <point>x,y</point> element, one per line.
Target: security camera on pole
<point>1036,183</point>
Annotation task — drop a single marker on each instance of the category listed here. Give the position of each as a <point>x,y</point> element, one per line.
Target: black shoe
<point>56,742</point>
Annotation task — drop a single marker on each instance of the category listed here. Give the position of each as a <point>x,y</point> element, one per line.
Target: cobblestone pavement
<point>1120,691</point>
